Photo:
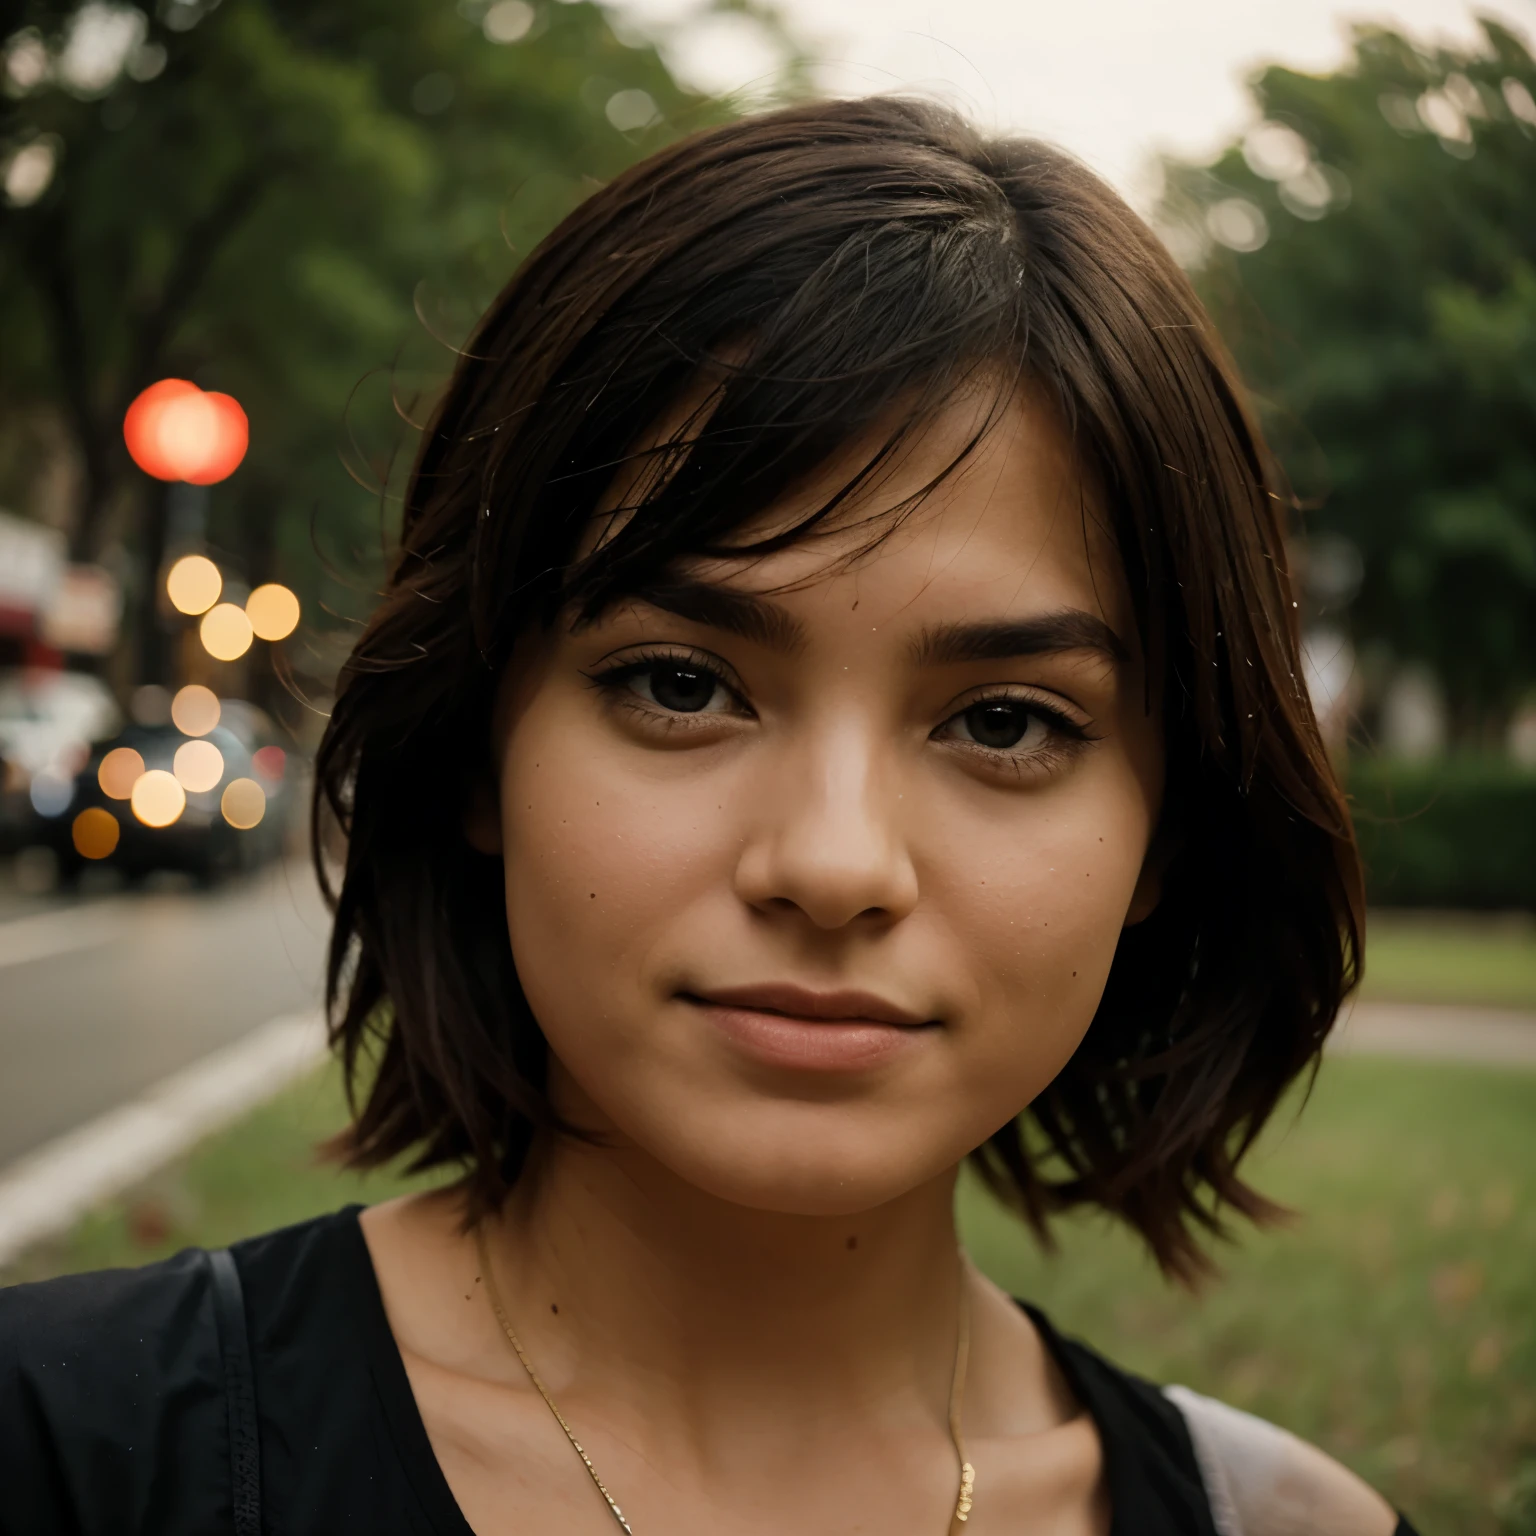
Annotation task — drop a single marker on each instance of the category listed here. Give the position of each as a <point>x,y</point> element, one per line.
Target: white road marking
<point>56,933</point>
<point>48,1190</point>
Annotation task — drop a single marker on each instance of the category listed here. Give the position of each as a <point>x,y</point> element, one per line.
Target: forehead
<point>1017,525</point>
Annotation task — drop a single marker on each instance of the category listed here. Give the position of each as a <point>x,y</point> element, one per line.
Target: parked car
<point>142,802</point>
<point>48,720</point>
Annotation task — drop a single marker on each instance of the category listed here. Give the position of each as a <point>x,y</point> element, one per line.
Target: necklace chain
<point>533,1376</point>
<point>963,1501</point>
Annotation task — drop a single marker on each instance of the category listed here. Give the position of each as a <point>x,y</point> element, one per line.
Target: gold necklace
<point>956,1394</point>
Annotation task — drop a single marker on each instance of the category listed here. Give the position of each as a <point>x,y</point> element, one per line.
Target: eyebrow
<point>737,613</point>
<point>768,624</point>
<point>1071,629</point>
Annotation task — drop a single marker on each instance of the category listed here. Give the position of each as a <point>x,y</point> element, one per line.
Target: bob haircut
<point>833,268</point>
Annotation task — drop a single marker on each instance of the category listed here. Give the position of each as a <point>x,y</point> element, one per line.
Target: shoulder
<point>90,1337</point>
<point>113,1409</point>
<point>102,1376</point>
<point>1212,1467</point>
<point>1149,1460</point>
<point>305,1271</point>
<point>1264,1481</point>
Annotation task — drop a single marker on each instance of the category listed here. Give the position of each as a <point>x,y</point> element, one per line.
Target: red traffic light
<point>176,431</point>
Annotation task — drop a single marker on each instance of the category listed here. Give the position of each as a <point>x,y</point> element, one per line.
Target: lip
<point>783,1025</point>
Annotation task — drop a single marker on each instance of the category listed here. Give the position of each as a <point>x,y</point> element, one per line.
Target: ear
<point>482,816</point>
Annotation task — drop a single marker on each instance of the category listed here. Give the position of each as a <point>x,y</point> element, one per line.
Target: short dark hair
<point>839,265</point>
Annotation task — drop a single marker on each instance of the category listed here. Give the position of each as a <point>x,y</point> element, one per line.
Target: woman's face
<point>814,871</point>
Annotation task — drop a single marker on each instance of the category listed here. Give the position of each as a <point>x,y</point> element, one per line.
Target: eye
<point>1003,724</point>
<point>1014,731</point>
<point>669,685</point>
<point>687,689</point>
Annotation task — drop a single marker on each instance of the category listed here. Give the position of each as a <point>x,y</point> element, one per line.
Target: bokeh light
<point>270,762</point>
<point>1237,224</point>
<point>119,772</point>
<point>158,799</point>
<point>195,710</point>
<point>1276,151</point>
<point>141,427</point>
<point>508,21</point>
<point>226,633</point>
<point>243,803</point>
<point>632,109</point>
<point>205,435</point>
<point>95,832</point>
<point>193,584</point>
<point>176,431</point>
<point>273,611</point>
<point>198,766</point>
<point>50,793</point>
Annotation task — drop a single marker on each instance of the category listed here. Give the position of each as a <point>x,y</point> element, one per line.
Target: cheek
<point>1035,907</point>
<point>600,858</point>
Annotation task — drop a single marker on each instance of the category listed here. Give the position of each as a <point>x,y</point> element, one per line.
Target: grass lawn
<point>1394,1322</point>
<point>1460,957</point>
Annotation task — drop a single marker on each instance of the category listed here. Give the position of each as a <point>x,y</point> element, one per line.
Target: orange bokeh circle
<point>141,427</point>
<point>226,445</point>
<point>95,833</point>
<point>176,431</point>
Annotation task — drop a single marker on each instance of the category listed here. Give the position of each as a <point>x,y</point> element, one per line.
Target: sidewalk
<point>1437,1031</point>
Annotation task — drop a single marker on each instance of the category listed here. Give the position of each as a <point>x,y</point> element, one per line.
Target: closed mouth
<point>808,1006</point>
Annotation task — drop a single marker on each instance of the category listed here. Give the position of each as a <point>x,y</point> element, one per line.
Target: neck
<point>665,1292</point>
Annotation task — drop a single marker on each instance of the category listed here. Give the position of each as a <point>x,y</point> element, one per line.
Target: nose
<point>828,837</point>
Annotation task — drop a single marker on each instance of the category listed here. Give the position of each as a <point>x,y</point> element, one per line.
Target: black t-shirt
<point>114,1413</point>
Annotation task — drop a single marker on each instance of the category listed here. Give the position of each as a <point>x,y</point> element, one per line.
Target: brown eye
<point>1000,723</point>
<point>1015,729</point>
<point>684,689</point>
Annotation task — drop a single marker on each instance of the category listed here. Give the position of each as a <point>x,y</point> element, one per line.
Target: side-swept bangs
<point>837,273</point>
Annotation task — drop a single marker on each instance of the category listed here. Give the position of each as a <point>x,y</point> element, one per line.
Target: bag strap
<point>239,1393</point>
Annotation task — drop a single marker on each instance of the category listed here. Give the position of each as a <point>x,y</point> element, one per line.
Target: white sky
<point>1113,80</point>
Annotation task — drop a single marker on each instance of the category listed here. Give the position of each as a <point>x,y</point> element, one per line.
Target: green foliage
<point>1416,956</point>
<point>1453,832</point>
<point>1388,322</point>
<point>257,195</point>
<point>1519,1507</point>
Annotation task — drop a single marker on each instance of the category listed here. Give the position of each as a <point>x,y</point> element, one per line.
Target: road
<point>103,997</point>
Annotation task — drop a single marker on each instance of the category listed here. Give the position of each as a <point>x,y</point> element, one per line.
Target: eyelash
<point>1068,736</point>
<point>614,681</point>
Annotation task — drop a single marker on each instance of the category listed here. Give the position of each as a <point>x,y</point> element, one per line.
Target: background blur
<point>296,209</point>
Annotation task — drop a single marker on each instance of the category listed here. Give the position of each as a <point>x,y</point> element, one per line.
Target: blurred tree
<point>1369,249</point>
<point>255,195</point>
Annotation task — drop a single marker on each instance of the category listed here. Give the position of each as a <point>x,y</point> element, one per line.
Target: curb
<point>47,1191</point>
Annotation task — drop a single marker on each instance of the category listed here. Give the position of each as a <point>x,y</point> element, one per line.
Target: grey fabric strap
<point>1219,1459</point>
<point>1261,1480</point>
<point>239,1393</point>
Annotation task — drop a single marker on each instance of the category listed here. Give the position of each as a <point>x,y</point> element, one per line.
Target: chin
<point>822,1192</point>
<point>798,1172</point>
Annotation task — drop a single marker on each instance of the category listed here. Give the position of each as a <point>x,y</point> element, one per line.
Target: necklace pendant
<point>967,1489</point>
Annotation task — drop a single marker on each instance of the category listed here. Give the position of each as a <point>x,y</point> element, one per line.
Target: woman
<point>835,713</point>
